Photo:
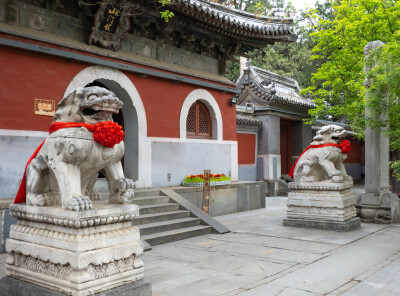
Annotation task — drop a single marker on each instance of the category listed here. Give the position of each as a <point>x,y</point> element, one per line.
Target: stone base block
<point>380,209</point>
<point>322,205</point>
<point>324,225</point>
<point>76,253</point>
<point>13,287</point>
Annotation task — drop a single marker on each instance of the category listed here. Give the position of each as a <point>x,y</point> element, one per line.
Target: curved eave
<point>269,96</point>
<point>234,23</point>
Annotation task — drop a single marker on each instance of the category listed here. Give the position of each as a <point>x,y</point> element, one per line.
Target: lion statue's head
<point>329,134</point>
<point>88,104</point>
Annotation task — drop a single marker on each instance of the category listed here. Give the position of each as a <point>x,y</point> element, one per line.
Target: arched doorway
<point>127,118</point>
<point>137,160</point>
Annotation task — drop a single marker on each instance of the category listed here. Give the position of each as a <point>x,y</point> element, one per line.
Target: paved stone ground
<point>261,257</point>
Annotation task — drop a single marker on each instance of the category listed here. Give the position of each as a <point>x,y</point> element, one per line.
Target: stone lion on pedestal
<point>323,159</point>
<point>83,141</point>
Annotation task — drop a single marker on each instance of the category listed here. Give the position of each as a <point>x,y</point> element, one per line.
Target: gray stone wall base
<point>325,225</point>
<point>14,287</point>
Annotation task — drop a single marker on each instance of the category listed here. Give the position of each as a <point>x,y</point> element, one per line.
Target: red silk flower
<point>345,146</point>
<point>108,133</point>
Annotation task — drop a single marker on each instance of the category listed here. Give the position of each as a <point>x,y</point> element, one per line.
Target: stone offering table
<point>322,205</point>
<point>76,253</point>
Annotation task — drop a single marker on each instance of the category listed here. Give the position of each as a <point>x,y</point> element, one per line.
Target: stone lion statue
<point>324,161</point>
<point>67,165</point>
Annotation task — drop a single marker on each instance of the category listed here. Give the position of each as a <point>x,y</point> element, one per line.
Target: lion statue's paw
<point>38,200</point>
<point>127,189</point>
<point>125,183</point>
<point>79,203</point>
<point>127,196</point>
<point>43,199</point>
<point>337,179</point>
<point>124,192</point>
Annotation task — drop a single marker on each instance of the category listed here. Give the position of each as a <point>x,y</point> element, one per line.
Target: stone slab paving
<point>383,281</point>
<point>262,257</point>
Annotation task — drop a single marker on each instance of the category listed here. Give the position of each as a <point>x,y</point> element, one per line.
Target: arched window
<point>198,122</point>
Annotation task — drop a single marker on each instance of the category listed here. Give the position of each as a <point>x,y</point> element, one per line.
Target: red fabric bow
<point>106,133</point>
<point>345,146</point>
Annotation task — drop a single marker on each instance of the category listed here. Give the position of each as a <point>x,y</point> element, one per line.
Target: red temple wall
<point>28,75</point>
<point>246,148</point>
<point>25,77</point>
<point>354,156</point>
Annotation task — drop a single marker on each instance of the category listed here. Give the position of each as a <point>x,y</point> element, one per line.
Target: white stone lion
<point>67,166</point>
<point>324,163</point>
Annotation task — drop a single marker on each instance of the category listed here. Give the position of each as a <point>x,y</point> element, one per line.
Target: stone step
<point>150,200</point>
<point>150,228</point>
<point>174,235</point>
<point>146,192</point>
<point>164,207</point>
<point>162,216</point>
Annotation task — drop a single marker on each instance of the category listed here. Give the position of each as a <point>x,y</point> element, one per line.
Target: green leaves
<point>337,86</point>
<point>341,41</point>
<point>166,14</point>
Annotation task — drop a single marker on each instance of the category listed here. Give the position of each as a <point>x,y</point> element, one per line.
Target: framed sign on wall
<point>44,107</point>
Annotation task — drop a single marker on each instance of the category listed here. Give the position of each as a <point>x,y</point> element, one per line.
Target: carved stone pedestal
<point>382,208</point>
<point>322,205</point>
<point>76,253</point>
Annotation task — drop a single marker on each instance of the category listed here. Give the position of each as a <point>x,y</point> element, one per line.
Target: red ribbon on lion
<point>345,146</point>
<point>107,133</point>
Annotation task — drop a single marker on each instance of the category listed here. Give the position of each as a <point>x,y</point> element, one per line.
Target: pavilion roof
<point>270,87</point>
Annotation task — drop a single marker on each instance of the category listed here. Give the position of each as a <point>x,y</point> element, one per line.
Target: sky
<point>302,4</point>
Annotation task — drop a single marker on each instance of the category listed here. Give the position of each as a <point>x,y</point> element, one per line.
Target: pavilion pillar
<point>269,158</point>
<point>377,204</point>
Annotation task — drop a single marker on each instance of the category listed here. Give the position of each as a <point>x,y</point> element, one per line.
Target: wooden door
<point>286,146</point>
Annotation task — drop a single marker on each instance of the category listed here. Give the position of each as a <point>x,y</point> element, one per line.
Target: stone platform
<point>77,253</point>
<point>13,287</point>
<point>323,205</point>
<point>324,225</point>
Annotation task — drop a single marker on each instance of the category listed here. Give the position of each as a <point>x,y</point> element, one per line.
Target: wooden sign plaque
<point>44,107</point>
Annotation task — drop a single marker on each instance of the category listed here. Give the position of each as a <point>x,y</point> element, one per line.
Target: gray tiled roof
<point>248,120</point>
<point>268,26</point>
<point>273,87</point>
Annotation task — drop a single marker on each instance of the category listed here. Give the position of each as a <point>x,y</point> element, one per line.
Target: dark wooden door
<point>286,146</point>
<point>119,118</point>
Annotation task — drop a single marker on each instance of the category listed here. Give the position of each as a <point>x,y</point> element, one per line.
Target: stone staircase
<point>163,220</point>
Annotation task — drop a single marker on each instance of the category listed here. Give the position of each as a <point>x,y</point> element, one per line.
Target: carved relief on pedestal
<point>42,267</point>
